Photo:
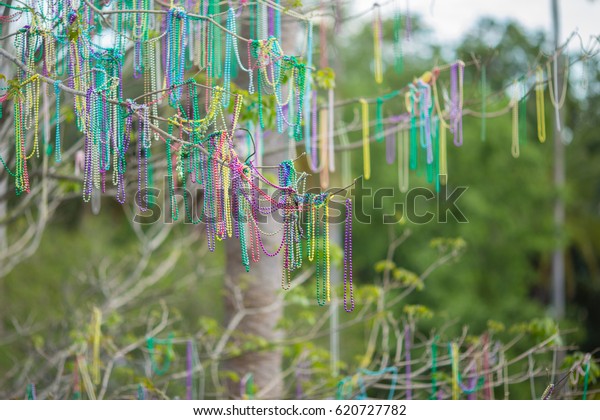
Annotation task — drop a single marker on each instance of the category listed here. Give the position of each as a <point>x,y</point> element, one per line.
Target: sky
<point>451,18</point>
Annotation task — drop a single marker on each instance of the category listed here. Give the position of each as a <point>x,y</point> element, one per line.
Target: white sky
<point>451,18</point>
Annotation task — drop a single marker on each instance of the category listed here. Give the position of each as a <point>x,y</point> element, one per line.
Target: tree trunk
<point>262,285</point>
<point>259,289</point>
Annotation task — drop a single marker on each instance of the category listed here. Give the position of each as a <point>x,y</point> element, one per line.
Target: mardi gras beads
<point>228,47</point>
<point>366,139</point>
<point>379,120</point>
<point>553,87</point>
<point>214,9</point>
<point>539,101</point>
<point>321,282</point>
<point>434,386</point>
<point>143,149</point>
<point>21,174</point>
<point>348,286</point>
<point>57,148</point>
<point>403,160</point>
<point>377,41</point>
<point>30,392</point>
<point>177,27</point>
<point>456,87</point>
<point>413,126</point>
<point>426,105</point>
<point>170,181</point>
<point>515,121</point>
<point>151,343</point>
<point>97,336</point>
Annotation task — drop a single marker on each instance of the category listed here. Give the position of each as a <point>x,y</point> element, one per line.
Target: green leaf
<point>384,265</point>
<point>418,311</point>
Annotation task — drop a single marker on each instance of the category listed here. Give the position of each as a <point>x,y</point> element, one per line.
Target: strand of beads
<point>151,343</point>
<point>177,28</point>
<point>228,47</point>
<point>379,128</point>
<point>242,219</point>
<point>539,101</point>
<point>515,121</point>
<point>323,283</point>
<point>21,174</point>
<point>411,105</point>
<point>57,149</point>
<point>143,150</point>
<point>426,106</point>
<point>348,285</point>
<point>377,40</point>
<point>403,160</point>
<point>456,99</point>
<point>366,139</point>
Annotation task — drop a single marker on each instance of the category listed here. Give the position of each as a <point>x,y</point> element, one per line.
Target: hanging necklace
<point>539,102</point>
<point>515,121</point>
<point>377,40</point>
<point>151,343</point>
<point>348,286</point>
<point>366,139</point>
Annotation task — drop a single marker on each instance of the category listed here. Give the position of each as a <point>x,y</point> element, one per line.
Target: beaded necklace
<point>413,127</point>
<point>366,139</point>
<point>456,99</point>
<point>515,121</point>
<point>457,383</point>
<point>539,101</point>
<point>553,87</point>
<point>151,344</point>
<point>177,28</point>
<point>62,41</point>
<point>321,259</point>
<point>403,160</point>
<point>348,285</point>
<point>377,41</point>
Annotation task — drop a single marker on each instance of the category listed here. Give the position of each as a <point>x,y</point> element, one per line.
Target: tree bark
<point>262,285</point>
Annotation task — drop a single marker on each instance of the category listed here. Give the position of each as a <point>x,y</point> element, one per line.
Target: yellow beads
<point>455,387</point>
<point>377,47</point>
<point>443,155</point>
<point>539,102</point>
<point>366,140</point>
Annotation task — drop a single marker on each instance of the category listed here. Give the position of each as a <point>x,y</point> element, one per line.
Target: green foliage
<point>325,78</point>
<point>539,329</point>
<point>416,312</point>
<point>408,278</point>
<point>495,326</point>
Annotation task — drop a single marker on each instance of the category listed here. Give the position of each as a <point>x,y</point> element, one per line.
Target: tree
<point>109,352</point>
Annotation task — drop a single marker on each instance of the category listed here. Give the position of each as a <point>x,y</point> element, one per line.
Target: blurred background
<point>83,287</point>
